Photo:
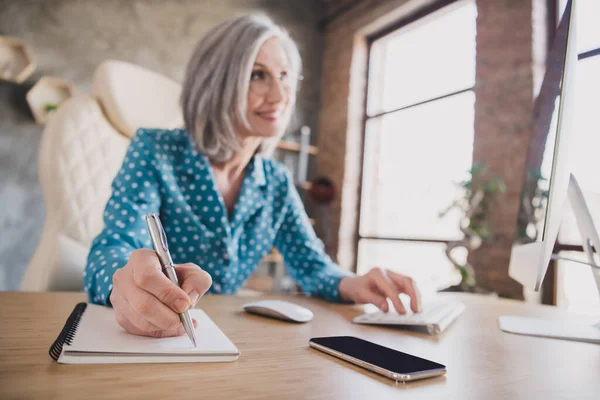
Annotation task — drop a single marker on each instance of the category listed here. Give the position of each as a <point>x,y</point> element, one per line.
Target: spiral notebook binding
<point>68,332</point>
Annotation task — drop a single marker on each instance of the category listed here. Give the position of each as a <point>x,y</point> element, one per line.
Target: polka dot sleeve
<point>135,192</point>
<point>304,253</point>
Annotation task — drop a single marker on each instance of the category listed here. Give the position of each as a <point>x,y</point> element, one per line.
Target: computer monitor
<point>548,185</point>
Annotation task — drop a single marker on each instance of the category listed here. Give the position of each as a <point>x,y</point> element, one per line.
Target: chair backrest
<point>81,150</point>
<point>134,97</point>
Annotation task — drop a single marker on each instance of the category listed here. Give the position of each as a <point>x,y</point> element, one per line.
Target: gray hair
<point>217,79</point>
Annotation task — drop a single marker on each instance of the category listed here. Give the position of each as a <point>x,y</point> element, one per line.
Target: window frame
<point>397,25</point>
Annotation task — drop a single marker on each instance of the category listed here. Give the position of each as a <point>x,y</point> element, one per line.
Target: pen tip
<point>193,339</point>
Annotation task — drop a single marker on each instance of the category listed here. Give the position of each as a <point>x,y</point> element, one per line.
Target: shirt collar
<point>257,173</point>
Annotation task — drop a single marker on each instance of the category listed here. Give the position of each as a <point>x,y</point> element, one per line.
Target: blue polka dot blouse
<point>163,172</point>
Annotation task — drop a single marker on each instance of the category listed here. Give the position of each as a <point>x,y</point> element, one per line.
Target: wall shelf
<point>16,62</point>
<point>293,146</point>
<point>47,95</point>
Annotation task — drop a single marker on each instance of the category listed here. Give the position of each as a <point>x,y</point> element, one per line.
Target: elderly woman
<point>222,201</point>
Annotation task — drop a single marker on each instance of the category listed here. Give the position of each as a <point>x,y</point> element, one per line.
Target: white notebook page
<point>99,332</point>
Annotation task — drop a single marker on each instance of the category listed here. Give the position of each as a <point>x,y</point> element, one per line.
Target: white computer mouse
<point>279,309</point>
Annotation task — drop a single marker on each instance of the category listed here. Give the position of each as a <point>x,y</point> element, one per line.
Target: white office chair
<point>81,150</point>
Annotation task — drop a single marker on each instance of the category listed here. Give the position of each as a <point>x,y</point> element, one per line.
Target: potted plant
<point>534,199</point>
<point>478,193</point>
<point>49,107</point>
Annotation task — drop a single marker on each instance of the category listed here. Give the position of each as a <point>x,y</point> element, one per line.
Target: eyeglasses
<point>261,81</point>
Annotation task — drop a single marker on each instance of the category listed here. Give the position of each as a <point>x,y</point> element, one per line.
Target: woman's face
<point>272,91</point>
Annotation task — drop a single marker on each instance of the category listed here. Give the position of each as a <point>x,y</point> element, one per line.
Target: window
<point>576,289</point>
<point>418,144</point>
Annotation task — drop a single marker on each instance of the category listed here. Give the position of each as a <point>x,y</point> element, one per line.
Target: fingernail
<point>181,305</point>
<point>194,297</point>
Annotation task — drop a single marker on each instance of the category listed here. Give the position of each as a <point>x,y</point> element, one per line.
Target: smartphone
<point>382,360</point>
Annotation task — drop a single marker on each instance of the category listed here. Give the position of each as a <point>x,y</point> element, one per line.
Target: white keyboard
<point>435,317</point>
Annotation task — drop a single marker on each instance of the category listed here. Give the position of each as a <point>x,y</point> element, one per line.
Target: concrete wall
<point>69,38</point>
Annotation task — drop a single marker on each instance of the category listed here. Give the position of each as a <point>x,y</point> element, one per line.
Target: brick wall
<point>503,112</point>
<point>502,118</point>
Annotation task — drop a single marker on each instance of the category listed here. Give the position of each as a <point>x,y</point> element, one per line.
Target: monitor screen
<point>533,215</point>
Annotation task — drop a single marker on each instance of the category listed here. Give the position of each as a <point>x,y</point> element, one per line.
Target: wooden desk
<point>276,362</point>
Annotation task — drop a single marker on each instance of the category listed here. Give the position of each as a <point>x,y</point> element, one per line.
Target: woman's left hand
<point>377,286</point>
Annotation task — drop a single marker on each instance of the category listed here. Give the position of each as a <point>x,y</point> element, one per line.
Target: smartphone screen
<point>381,356</point>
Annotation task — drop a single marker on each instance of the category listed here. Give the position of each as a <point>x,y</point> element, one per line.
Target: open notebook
<point>92,336</point>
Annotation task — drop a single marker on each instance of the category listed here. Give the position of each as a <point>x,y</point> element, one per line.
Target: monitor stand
<point>551,328</point>
<point>565,329</point>
<point>555,328</point>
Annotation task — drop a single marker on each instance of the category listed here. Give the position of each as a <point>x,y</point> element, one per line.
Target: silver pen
<point>159,241</point>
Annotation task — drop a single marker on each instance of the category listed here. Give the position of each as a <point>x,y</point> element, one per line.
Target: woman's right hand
<point>147,303</point>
